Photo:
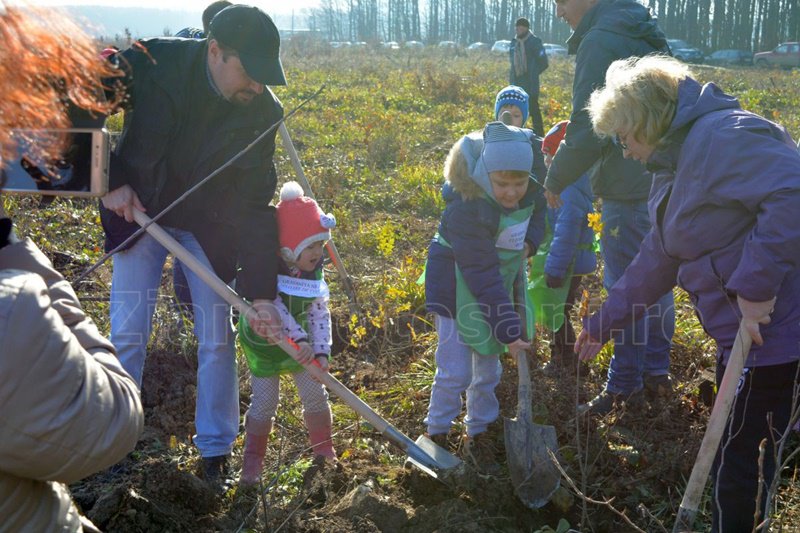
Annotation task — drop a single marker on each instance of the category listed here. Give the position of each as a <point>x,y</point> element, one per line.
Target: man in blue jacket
<point>604,31</point>
<point>192,105</point>
<point>528,60</point>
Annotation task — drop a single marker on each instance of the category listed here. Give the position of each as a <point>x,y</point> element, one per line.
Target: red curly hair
<point>46,61</point>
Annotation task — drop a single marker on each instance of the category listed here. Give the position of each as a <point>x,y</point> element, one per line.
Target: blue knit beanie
<point>512,95</point>
<point>506,148</point>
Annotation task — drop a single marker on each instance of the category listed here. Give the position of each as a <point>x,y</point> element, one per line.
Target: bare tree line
<point>708,24</point>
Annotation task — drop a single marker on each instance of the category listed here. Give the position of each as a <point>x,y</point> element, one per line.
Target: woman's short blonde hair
<point>639,98</point>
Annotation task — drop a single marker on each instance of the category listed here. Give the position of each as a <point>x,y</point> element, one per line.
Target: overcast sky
<point>270,6</point>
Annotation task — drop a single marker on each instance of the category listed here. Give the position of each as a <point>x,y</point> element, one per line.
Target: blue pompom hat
<point>512,95</point>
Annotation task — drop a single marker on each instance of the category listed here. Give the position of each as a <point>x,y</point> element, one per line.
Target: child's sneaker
<point>481,452</point>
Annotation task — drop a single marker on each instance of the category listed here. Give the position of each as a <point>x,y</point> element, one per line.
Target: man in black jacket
<point>528,60</point>
<point>191,105</point>
<point>604,31</point>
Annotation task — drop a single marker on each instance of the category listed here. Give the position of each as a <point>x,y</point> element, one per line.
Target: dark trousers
<point>563,344</point>
<point>536,115</point>
<point>762,390</point>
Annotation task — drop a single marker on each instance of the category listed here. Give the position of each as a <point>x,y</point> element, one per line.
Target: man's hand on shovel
<point>753,314</point>
<point>265,320</point>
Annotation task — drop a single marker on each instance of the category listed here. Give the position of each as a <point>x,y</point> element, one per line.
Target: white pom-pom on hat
<point>291,190</point>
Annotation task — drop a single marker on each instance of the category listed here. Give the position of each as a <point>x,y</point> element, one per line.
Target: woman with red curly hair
<point>67,407</point>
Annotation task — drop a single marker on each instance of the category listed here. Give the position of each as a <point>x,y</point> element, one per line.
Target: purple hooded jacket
<point>725,208</point>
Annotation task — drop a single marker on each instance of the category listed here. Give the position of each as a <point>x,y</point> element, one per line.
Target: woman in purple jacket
<point>724,205</point>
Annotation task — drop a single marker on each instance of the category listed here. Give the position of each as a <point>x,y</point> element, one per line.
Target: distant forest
<point>708,24</point>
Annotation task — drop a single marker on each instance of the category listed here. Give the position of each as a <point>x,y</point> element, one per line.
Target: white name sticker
<point>304,288</point>
<point>513,237</point>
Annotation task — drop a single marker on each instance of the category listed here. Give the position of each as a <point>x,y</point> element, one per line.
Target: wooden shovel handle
<point>714,431</point>
<point>286,344</point>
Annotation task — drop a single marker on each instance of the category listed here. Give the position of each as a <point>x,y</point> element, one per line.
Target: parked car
<point>479,46</point>
<point>414,45</point>
<point>448,45</point>
<point>685,52</point>
<point>730,57</point>
<point>340,44</point>
<point>555,50</point>
<point>785,55</point>
<point>501,46</point>
<point>391,45</point>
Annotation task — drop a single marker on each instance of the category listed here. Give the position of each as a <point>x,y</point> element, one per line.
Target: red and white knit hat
<point>300,221</point>
<point>554,137</point>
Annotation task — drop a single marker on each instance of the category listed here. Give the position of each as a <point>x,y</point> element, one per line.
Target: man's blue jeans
<point>134,289</point>
<point>642,348</point>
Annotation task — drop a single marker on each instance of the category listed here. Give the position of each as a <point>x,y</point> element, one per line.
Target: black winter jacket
<point>176,132</point>
<point>611,30</point>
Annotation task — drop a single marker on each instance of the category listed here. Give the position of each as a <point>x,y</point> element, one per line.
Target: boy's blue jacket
<point>469,224</point>
<point>572,236</point>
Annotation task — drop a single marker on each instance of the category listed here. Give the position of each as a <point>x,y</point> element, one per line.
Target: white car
<point>502,46</point>
<point>555,50</point>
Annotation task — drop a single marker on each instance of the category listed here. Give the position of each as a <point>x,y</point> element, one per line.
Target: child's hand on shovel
<point>304,354</point>
<point>321,360</point>
<point>753,314</point>
<point>518,346</point>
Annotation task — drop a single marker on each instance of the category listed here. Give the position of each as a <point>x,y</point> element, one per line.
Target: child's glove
<point>553,282</point>
<point>305,353</point>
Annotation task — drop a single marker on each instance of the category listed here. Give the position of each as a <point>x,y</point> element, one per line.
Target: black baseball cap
<point>253,35</point>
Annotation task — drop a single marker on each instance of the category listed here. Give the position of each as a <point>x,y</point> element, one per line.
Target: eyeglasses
<point>619,142</point>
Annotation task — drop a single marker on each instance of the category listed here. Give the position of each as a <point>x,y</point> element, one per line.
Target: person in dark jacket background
<point>208,14</point>
<point>528,60</point>
<point>604,31</point>
<point>569,255</point>
<point>724,229</point>
<point>192,105</point>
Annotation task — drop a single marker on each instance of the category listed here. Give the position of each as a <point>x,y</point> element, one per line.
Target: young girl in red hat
<point>303,303</point>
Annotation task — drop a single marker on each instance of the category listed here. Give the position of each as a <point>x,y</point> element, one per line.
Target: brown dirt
<point>639,459</point>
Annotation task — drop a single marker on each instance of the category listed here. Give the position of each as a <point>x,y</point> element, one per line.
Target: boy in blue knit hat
<point>483,241</point>
<point>515,101</point>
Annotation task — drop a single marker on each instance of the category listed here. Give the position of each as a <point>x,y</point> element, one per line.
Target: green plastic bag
<point>548,304</point>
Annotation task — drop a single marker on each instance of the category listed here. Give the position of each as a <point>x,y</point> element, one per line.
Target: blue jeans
<point>134,289</point>
<point>642,348</point>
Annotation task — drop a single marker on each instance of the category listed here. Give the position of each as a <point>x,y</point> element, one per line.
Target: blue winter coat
<point>572,236</point>
<point>469,224</point>
<point>724,208</point>
<point>611,30</point>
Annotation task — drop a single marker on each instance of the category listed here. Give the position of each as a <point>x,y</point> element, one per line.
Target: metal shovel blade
<point>431,458</point>
<point>532,472</point>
